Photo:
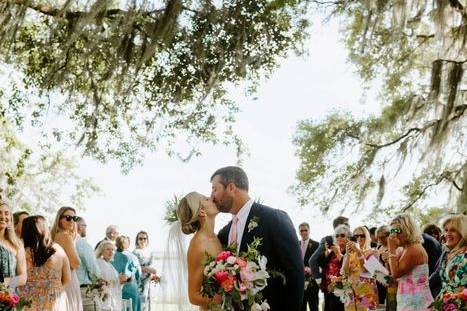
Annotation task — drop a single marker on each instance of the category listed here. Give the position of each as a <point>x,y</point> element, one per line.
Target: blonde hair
<point>187,212</point>
<point>409,228</point>
<point>102,245</point>
<point>367,244</point>
<point>56,225</point>
<point>119,242</point>
<point>10,234</point>
<point>459,222</point>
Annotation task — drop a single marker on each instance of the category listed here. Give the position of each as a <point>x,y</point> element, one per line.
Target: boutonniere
<point>253,223</point>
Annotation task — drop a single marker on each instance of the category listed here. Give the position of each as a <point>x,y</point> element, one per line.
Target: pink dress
<point>43,287</point>
<point>413,291</point>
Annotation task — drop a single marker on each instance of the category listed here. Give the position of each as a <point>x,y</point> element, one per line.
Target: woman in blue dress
<point>127,264</point>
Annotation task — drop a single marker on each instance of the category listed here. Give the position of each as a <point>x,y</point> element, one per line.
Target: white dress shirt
<point>242,216</point>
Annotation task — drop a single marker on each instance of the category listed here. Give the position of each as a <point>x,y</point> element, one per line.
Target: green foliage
<point>39,179</point>
<point>135,76</point>
<point>414,149</point>
<point>171,210</point>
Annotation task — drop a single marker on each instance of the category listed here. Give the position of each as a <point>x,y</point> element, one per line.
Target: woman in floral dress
<point>411,266</point>
<point>453,270</point>
<point>333,256</point>
<point>47,267</point>
<point>363,284</point>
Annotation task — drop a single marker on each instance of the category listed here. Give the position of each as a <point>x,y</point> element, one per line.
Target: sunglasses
<point>142,238</point>
<point>361,236</point>
<point>70,218</point>
<point>340,235</point>
<point>304,230</point>
<point>395,230</point>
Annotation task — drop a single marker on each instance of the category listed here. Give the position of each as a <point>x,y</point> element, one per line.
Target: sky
<point>302,87</point>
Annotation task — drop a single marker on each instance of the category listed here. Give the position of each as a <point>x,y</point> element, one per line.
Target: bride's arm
<point>195,276</point>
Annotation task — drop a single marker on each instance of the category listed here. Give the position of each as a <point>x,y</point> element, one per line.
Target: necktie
<point>233,231</point>
<point>303,249</point>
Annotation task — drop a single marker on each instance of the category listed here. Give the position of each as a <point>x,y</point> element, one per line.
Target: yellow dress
<point>363,285</point>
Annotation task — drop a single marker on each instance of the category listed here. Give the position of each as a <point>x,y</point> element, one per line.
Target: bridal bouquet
<point>239,279</point>
<point>451,301</point>
<point>98,289</point>
<point>342,288</point>
<point>10,301</point>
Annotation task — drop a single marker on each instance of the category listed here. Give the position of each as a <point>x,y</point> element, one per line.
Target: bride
<point>196,214</point>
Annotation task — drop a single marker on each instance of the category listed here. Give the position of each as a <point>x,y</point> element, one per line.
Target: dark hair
<point>432,228</point>
<point>304,224</point>
<point>17,215</point>
<point>340,220</point>
<point>36,236</point>
<point>140,233</point>
<point>372,230</point>
<point>232,174</point>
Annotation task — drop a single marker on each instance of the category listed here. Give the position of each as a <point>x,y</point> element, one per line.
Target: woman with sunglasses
<point>12,259</point>
<point>145,258</point>
<point>409,266</point>
<point>333,256</point>
<point>363,283</point>
<point>64,233</point>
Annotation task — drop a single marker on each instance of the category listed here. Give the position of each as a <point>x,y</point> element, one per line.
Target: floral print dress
<point>363,285</point>
<point>413,292</point>
<point>454,274</point>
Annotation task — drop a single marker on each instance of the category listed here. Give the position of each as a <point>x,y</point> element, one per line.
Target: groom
<point>273,226</point>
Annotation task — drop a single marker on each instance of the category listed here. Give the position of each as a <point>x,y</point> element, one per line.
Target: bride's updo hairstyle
<point>187,212</point>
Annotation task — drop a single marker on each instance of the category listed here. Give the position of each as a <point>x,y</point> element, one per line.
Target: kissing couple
<point>197,213</point>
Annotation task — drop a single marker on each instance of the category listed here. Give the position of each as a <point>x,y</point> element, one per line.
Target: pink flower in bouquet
<point>228,284</point>
<point>14,299</point>
<point>241,262</point>
<point>243,288</point>
<point>247,275</point>
<point>231,260</point>
<point>446,297</point>
<point>223,255</point>
<point>464,294</point>
<point>450,307</point>
<point>221,276</point>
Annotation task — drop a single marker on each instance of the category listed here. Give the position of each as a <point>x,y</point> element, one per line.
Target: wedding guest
<point>316,261</point>
<point>111,234</point>
<point>374,240</point>
<point>333,255</point>
<point>433,249</point>
<point>410,266</point>
<point>12,258</point>
<point>434,231</point>
<point>145,258</point>
<point>47,267</point>
<point>308,247</point>
<point>453,269</point>
<point>125,264</point>
<point>64,233</point>
<point>18,218</point>
<point>363,283</point>
<point>105,254</point>
<point>88,269</point>
<point>382,234</point>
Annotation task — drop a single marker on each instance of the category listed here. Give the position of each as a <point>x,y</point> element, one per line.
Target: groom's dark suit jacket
<point>279,245</point>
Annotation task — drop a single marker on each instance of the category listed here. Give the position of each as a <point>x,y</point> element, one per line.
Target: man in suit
<point>273,226</point>
<point>316,261</point>
<point>308,247</point>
